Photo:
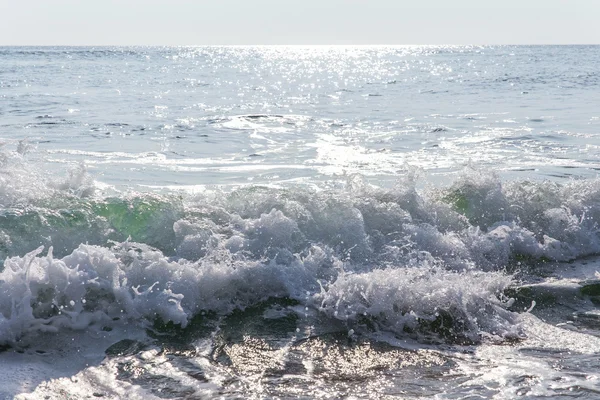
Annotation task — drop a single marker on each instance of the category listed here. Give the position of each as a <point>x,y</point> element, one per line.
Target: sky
<point>308,22</point>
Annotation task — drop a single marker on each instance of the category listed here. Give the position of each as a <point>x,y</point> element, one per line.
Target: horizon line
<point>301,45</point>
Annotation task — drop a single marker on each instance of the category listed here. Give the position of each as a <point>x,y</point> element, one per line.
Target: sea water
<point>299,222</point>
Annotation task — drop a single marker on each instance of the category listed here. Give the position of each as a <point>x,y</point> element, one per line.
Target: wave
<point>434,263</point>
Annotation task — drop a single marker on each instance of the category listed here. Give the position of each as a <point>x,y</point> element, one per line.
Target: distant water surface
<point>229,115</point>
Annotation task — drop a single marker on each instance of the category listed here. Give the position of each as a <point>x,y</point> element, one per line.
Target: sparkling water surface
<point>190,116</point>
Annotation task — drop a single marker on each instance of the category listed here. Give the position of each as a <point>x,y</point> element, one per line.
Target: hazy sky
<point>190,22</point>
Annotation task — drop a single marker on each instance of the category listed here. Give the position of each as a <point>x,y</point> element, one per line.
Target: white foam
<point>229,249</point>
<point>399,299</point>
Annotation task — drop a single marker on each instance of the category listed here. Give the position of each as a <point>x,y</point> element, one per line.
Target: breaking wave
<point>423,263</point>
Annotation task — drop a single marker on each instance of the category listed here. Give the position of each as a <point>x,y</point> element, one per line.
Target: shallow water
<point>284,222</point>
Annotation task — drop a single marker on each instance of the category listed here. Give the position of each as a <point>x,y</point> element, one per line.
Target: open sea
<point>320,222</point>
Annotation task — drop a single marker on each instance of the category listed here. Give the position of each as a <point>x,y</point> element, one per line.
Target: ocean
<point>308,222</point>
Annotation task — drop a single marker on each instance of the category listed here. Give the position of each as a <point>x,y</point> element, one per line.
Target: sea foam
<point>398,259</point>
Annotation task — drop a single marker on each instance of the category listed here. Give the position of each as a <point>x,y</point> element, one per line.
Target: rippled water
<point>224,115</point>
<point>300,222</point>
